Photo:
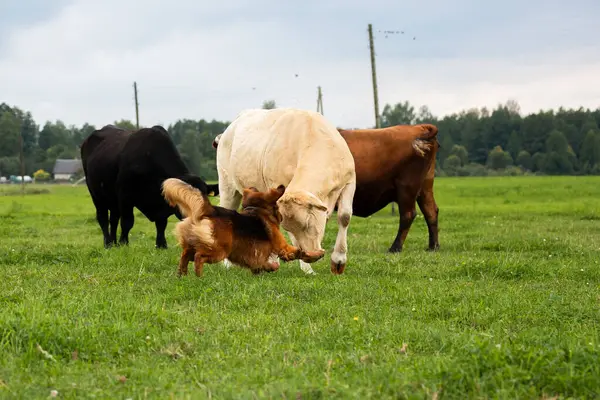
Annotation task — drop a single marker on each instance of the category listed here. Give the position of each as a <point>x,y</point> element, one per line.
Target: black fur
<point>125,169</point>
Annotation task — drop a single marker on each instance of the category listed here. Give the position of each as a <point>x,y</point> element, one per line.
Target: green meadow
<point>508,308</point>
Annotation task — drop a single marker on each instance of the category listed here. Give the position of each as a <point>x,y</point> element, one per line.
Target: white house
<point>65,169</point>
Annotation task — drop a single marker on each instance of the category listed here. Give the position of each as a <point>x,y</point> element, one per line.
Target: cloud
<point>77,61</point>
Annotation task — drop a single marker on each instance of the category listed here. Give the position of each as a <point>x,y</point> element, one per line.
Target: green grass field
<point>508,308</point>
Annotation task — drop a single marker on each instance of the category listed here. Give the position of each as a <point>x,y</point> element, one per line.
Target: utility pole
<point>374,76</point>
<point>22,161</point>
<point>137,110</point>
<point>375,95</point>
<point>319,100</point>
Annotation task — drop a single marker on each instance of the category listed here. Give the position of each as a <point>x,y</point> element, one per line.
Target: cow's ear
<point>305,200</point>
<point>315,203</point>
<point>318,206</point>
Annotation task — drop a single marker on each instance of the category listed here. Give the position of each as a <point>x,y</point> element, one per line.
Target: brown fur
<point>397,164</point>
<point>210,234</point>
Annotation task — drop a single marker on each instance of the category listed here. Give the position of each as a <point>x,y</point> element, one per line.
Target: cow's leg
<point>161,225</point>
<point>231,199</point>
<point>114,223</point>
<point>102,218</point>
<point>304,266</point>
<point>407,197</point>
<point>127,219</point>
<point>339,257</point>
<point>430,211</point>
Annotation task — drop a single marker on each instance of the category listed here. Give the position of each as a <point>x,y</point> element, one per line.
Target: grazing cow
<point>125,169</point>
<point>396,164</point>
<point>301,150</point>
<point>390,167</point>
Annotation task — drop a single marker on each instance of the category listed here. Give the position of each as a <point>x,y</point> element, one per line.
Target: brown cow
<point>396,164</point>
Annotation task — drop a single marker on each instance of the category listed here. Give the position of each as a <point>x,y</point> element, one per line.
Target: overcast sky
<point>76,60</point>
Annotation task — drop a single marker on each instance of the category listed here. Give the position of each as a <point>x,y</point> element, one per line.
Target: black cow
<point>125,169</point>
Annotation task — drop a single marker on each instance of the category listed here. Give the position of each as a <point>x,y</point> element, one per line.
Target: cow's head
<point>305,216</point>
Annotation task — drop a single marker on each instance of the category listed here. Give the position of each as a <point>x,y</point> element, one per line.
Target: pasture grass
<point>507,308</point>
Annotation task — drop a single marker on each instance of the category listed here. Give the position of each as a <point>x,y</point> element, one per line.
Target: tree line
<point>473,142</point>
<point>503,141</point>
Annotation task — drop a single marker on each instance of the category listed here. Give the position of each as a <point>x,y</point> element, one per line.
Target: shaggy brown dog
<point>210,234</point>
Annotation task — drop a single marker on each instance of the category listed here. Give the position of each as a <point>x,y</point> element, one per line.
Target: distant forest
<point>475,142</point>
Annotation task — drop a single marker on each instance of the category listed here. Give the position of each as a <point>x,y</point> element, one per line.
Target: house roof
<point>67,166</point>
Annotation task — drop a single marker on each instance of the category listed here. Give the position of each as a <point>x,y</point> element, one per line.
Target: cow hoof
<point>394,250</point>
<point>434,248</point>
<point>161,246</point>
<point>306,268</point>
<point>337,268</point>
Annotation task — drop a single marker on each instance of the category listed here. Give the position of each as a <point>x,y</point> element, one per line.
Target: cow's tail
<point>215,142</point>
<point>214,189</point>
<point>192,202</point>
<point>423,143</point>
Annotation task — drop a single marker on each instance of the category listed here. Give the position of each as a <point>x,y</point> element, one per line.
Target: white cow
<point>303,151</point>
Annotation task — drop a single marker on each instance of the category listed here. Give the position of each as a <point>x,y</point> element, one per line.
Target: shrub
<point>40,175</point>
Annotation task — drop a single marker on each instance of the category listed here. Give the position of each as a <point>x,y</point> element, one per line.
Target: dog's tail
<point>192,202</point>
<point>424,141</point>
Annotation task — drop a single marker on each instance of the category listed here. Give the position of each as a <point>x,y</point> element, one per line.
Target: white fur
<point>338,258</point>
<point>299,149</point>
<point>228,264</point>
<point>204,230</point>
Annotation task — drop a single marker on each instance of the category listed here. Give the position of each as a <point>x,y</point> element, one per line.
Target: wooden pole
<point>375,95</point>
<point>374,77</point>
<point>137,110</point>
<point>319,100</point>
<point>22,161</point>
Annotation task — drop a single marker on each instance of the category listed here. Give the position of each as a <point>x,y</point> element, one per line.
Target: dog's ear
<point>249,190</point>
<point>275,194</point>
